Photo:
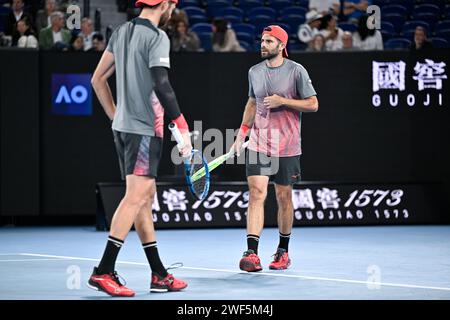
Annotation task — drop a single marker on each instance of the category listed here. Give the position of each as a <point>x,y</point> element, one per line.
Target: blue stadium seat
<point>396,19</point>
<point>206,41</point>
<point>4,10</point>
<point>249,4</point>
<point>246,45</point>
<point>440,43</point>
<point>244,36</point>
<point>410,26</point>
<point>232,19</point>
<point>387,30</point>
<point>215,6</point>
<point>443,33</point>
<point>3,18</point>
<point>441,25</point>
<point>408,4</point>
<point>202,28</point>
<point>232,11</point>
<point>394,8</point>
<point>303,4</point>
<point>188,3</point>
<point>194,11</point>
<point>293,20</point>
<point>262,11</point>
<point>245,27</point>
<point>197,19</point>
<point>429,18</point>
<point>426,8</point>
<point>397,43</point>
<point>293,10</point>
<point>280,4</point>
<point>260,22</point>
<point>447,11</point>
<point>346,26</point>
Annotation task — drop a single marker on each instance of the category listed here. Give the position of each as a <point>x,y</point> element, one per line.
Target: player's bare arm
<point>99,81</point>
<point>247,122</point>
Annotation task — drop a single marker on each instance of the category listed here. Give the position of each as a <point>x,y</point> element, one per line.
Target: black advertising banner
<point>315,204</point>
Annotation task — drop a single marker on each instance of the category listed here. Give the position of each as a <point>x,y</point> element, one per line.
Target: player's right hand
<point>237,145</point>
<point>187,147</point>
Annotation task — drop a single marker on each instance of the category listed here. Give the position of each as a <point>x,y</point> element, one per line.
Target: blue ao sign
<point>72,94</point>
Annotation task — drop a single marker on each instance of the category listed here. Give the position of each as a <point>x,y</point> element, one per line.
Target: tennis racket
<point>200,173</point>
<point>193,163</point>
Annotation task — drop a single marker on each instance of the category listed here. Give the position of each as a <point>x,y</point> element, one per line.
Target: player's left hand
<point>273,101</point>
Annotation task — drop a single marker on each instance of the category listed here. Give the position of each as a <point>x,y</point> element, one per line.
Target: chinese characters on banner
<point>429,75</point>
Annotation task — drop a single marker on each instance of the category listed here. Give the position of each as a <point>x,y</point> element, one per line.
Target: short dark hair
<point>98,36</point>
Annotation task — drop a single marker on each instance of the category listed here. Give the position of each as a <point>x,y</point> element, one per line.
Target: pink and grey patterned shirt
<point>276,132</point>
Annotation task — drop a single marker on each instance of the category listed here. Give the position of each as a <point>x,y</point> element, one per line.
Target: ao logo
<point>78,94</point>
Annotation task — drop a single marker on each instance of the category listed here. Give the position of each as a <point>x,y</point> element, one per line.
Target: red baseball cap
<point>151,2</point>
<point>279,33</point>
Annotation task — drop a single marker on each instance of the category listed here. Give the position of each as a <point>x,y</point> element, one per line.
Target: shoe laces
<point>248,252</point>
<point>116,277</point>
<point>277,256</point>
<point>175,265</point>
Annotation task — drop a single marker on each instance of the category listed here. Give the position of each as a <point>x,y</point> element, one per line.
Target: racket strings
<point>197,164</point>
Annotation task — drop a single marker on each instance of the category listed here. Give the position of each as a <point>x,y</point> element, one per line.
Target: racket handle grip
<point>177,134</point>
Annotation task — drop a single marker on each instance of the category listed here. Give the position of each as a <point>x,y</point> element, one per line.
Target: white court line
<point>261,273</point>
<point>26,260</point>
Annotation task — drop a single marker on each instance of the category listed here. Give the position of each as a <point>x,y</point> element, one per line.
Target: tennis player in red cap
<point>138,52</point>
<point>280,90</point>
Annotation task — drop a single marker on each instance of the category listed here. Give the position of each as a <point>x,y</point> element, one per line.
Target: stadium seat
<point>396,19</point>
<point>245,28</point>
<point>426,8</point>
<point>397,43</point>
<point>246,37</point>
<point>444,33</point>
<point>280,4</point>
<point>293,20</point>
<point>202,28</point>
<point>410,26</point>
<point>394,8</point>
<point>232,19</point>
<point>442,25</point>
<point>440,43</point>
<point>197,19</point>
<point>294,11</point>
<point>206,41</point>
<point>231,11</point>
<point>249,4</point>
<point>188,3</point>
<point>194,11</point>
<point>346,26</point>
<point>215,6</point>
<point>262,11</point>
<point>246,46</point>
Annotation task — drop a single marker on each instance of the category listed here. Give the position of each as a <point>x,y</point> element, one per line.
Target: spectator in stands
<point>177,16</point>
<point>317,44</point>
<point>184,40</point>
<point>76,44</point>
<point>347,42</point>
<point>325,7</point>
<point>55,37</point>
<point>98,42</point>
<point>43,15</point>
<point>25,34</point>
<point>420,40</point>
<point>224,38</point>
<point>14,16</point>
<point>308,30</point>
<point>331,33</point>
<point>367,39</point>
<point>354,9</point>
<point>87,32</point>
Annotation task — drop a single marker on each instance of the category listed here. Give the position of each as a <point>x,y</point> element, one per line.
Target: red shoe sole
<point>280,268</point>
<point>95,286</point>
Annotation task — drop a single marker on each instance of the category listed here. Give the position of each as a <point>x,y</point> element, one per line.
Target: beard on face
<point>268,55</point>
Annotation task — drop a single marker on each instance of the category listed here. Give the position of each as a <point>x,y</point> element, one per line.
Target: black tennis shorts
<point>282,170</point>
<point>138,155</point>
